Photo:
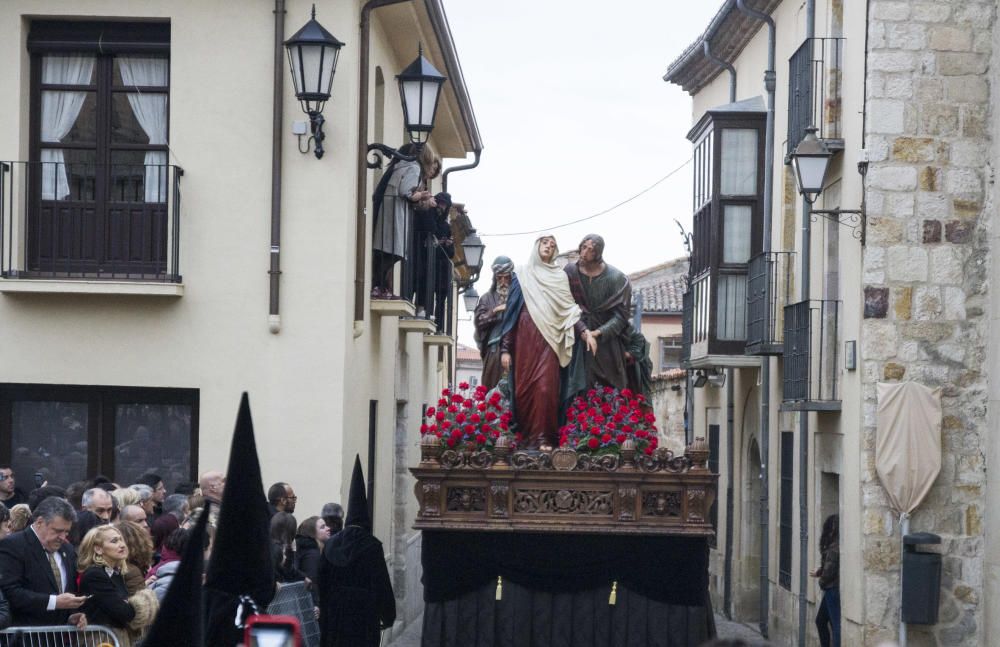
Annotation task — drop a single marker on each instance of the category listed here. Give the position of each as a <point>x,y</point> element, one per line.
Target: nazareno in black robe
<point>355,594</point>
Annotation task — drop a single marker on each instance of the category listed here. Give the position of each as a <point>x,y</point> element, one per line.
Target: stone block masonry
<point>930,195</point>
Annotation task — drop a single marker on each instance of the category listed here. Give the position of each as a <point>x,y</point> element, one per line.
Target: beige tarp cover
<point>908,444</point>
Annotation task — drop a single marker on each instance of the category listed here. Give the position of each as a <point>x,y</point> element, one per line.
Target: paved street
<point>727,629</point>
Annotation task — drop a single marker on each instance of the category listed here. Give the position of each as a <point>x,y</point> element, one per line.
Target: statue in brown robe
<point>489,315</point>
<point>604,295</point>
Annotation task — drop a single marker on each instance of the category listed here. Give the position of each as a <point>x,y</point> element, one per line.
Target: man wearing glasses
<point>10,494</point>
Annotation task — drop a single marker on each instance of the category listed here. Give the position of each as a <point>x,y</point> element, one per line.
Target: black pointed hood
<point>179,622</point>
<point>241,562</point>
<point>358,513</point>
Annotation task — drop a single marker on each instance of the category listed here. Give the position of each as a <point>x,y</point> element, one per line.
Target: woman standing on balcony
<point>403,187</point>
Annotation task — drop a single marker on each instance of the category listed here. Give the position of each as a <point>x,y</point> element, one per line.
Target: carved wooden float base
<point>566,492</point>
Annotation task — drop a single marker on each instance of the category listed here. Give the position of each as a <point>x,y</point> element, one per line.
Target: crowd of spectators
<point>100,552</point>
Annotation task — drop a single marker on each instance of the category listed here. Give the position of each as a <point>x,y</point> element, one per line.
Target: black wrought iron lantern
<point>473,247</point>
<point>312,57</point>
<point>420,89</point>
<point>811,158</point>
<point>471,298</point>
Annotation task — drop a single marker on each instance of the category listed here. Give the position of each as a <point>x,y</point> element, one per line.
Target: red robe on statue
<point>536,382</point>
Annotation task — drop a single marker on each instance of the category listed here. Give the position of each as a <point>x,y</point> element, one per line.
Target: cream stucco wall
<point>309,384</point>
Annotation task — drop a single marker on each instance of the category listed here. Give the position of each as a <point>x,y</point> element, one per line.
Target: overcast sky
<point>575,118</point>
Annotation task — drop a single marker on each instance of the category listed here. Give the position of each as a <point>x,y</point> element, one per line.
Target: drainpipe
<point>765,369</point>
<point>465,167</point>
<point>360,229</point>
<point>707,49</point>
<point>274,272</point>
<point>727,591</point>
<point>804,415</point>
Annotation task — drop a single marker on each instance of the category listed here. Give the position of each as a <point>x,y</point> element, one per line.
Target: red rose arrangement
<point>469,419</point>
<point>603,419</point>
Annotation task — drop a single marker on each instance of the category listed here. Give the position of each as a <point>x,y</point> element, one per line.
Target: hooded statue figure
<point>355,595</point>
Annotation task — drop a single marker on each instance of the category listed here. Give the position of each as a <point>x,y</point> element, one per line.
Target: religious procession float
<point>599,540</point>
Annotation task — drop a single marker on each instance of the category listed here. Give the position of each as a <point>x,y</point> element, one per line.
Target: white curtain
<point>150,111</point>
<point>59,112</point>
<point>739,162</point>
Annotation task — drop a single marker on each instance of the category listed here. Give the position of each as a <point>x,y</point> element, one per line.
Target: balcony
<point>815,91</point>
<point>714,320</point>
<point>811,364</point>
<point>56,224</point>
<point>422,282</point>
<point>769,286</point>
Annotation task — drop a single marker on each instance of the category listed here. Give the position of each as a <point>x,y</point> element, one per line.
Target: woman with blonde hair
<point>102,559</point>
<point>140,559</point>
<point>20,515</point>
<point>403,187</point>
<point>125,496</point>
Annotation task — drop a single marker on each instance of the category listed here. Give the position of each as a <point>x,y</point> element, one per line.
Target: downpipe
<point>360,224</point>
<point>765,370</point>
<point>274,269</point>
<point>707,49</point>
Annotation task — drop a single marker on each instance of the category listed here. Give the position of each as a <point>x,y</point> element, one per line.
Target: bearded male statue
<point>488,315</point>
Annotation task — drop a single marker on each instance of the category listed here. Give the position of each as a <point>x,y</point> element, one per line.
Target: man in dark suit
<point>38,569</point>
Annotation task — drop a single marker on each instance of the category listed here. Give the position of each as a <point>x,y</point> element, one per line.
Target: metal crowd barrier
<point>58,636</point>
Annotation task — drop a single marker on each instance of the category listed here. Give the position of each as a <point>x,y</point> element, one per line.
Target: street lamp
<point>811,159</point>
<point>473,248</point>
<point>420,88</point>
<point>471,298</point>
<point>312,57</point>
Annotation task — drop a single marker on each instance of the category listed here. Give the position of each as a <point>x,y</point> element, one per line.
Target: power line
<point>599,213</point>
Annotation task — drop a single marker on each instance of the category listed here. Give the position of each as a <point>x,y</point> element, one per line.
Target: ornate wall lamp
<point>312,56</point>
<point>810,159</point>
<point>471,299</point>
<point>419,89</point>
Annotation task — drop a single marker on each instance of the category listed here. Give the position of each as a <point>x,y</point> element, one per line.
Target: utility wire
<point>599,213</point>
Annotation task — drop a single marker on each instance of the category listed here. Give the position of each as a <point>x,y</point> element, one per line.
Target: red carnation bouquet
<point>469,419</point>
<point>603,419</point>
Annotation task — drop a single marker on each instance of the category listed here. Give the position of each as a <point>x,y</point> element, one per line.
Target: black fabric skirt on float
<point>556,590</point>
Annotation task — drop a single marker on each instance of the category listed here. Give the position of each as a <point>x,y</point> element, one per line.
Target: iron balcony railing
<point>769,288</point>
<point>410,262</point>
<point>88,221</point>
<point>810,358</point>
<point>687,323</point>
<point>815,90</point>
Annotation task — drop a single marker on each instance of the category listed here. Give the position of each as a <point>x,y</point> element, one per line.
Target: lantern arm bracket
<point>855,219</point>
<point>375,153</point>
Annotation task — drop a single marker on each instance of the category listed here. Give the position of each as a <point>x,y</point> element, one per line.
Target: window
<point>727,224</point>
<point>99,165</point>
<point>670,353</point>
<point>785,513</point>
<point>71,433</point>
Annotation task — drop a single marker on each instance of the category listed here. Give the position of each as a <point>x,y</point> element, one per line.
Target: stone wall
<point>667,395</point>
<point>929,196</point>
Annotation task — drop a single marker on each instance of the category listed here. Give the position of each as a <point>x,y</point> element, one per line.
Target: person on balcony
<point>604,295</point>
<point>489,314</point>
<point>402,187</point>
<point>537,338</point>
<point>433,246</point>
